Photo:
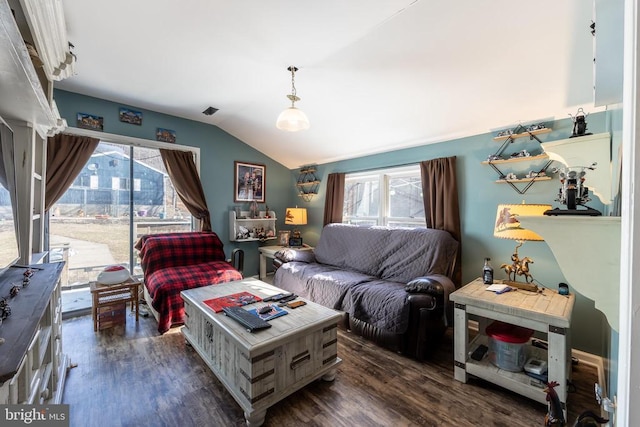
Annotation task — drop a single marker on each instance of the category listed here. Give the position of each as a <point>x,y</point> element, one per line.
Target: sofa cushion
<point>410,253</point>
<point>346,247</point>
<point>323,284</point>
<point>397,255</point>
<point>160,251</point>
<point>164,286</point>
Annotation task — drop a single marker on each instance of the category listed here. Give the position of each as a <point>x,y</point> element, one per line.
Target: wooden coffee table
<point>262,368</point>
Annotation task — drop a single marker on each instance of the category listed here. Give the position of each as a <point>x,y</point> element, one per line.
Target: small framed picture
<point>283,238</point>
<point>295,242</point>
<point>166,135</point>
<point>130,116</point>
<point>89,121</point>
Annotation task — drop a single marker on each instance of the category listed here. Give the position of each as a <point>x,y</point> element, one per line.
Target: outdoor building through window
<point>390,197</point>
<point>100,217</point>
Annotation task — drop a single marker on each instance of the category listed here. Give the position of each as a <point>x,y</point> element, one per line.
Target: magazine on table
<point>233,300</point>
<point>271,314</point>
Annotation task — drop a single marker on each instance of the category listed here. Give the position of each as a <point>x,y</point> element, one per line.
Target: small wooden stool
<point>109,295</point>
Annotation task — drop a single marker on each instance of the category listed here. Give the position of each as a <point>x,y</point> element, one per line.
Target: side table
<point>547,312</point>
<point>106,295</point>
<point>270,252</point>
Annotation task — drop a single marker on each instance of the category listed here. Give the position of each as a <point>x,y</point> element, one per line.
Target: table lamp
<point>507,226</point>
<point>296,216</point>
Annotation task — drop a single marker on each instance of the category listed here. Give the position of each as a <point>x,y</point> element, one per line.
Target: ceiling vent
<point>210,111</point>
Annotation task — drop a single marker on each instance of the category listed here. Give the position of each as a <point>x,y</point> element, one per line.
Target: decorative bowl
<point>113,274</point>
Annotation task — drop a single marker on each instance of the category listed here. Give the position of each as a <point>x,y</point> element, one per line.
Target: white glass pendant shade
<point>292,120</point>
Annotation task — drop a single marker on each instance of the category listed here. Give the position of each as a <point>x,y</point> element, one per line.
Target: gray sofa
<point>391,284</point>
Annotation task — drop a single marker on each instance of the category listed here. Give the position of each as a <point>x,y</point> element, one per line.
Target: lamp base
<point>588,211</point>
<point>524,286</point>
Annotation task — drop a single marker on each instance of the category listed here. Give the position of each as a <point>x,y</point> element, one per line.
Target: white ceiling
<point>373,75</point>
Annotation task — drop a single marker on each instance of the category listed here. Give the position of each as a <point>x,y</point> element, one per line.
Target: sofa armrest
<point>289,255</point>
<point>436,285</point>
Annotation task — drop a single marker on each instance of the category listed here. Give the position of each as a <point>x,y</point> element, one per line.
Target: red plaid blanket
<point>177,261</point>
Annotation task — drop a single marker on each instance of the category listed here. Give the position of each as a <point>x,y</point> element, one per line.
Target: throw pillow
<point>288,255</point>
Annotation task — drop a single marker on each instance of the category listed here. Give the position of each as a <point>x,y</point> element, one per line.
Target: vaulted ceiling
<point>373,75</point>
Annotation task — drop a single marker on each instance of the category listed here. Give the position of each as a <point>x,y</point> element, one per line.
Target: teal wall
<point>478,192</point>
<point>218,151</point>
<point>479,197</point>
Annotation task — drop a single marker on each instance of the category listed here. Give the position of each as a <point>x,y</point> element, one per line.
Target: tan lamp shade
<point>296,216</point>
<point>507,225</point>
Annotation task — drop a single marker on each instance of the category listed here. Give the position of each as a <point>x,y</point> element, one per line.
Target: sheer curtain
<point>334,200</point>
<point>184,175</point>
<point>441,207</point>
<point>66,156</point>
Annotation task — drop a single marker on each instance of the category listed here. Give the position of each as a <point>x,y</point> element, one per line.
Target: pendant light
<point>292,119</point>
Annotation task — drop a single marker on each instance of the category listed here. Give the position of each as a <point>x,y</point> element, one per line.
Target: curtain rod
<point>383,167</point>
<point>138,142</point>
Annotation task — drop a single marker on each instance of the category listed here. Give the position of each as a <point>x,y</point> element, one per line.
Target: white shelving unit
<point>28,107</point>
<point>262,222</point>
<point>33,367</point>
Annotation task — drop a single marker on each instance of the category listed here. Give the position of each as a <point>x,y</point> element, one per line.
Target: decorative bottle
<point>487,272</point>
<point>254,211</point>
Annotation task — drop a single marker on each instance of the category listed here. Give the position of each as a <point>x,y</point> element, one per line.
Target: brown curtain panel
<point>334,199</point>
<point>441,207</point>
<point>184,176</point>
<point>66,156</point>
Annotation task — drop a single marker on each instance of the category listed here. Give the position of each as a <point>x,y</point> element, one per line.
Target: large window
<point>100,217</point>
<point>391,197</point>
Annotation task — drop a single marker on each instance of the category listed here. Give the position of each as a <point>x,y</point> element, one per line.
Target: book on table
<point>233,300</point>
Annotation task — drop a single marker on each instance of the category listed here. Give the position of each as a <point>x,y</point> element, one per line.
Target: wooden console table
<point>107,295</point>
<point>33,367</point>
<point>547,312</point>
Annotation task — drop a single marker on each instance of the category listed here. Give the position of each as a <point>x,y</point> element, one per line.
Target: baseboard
<point>66,315</point>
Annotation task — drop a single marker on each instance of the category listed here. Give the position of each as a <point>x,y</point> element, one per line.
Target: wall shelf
<point>542,156</point>
<point>582,151</point>
<point>527,180</point>
<point>497,159</point>
<point>262,222</point>
<point>522,134</point>
<point>571,240</point>
<point>307,183</point>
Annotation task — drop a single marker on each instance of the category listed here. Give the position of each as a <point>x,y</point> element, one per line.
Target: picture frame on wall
<point>283,238</point>
<point>250,182</point>
<point>130,116</point>
<point>166,135</point>
<point>89,121</point>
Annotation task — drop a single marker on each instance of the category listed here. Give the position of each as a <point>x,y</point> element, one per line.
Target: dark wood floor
<point>132,376</point>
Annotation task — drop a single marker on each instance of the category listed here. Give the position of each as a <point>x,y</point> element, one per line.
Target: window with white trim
<point>390,197</point>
